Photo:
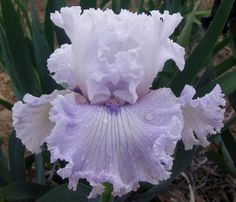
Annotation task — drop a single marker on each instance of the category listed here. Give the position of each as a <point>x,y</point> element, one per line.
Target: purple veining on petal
<point>113,108</point>
<point>111,143</point>
<point>113,105</point>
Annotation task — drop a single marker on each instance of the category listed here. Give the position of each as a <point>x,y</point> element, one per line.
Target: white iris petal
<point>116,55</point>
<point>202,116</point>
<point>123,149</point>
<point>62,59</point>
<point>116,130</point>
<point>30,120</point>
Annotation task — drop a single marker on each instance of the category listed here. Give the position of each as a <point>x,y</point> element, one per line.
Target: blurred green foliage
<point>26,43</point>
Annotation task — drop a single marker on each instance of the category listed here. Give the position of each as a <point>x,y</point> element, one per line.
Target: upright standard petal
<point>202,116</point>
<point>61,66</point>
<point>161,47</point>
<point>121,146</point>
<point>119,60</point>
<point>30,120</point>
<point>66,19</point>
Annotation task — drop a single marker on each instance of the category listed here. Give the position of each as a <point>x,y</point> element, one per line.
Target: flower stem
<point>39,168</point>
<point>106,196</point>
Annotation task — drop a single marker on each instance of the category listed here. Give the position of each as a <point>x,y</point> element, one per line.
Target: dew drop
<point>148,116</point>
<point>82,158</point>
<point>111,165</point>
<point>105,121</point>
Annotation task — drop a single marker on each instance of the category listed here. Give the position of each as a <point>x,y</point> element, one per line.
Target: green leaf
<point>8,65</point>
<point>151,193</point>
<point>5,55</point>
<point>227,83</point>
<point>3,183</point>
<point>16,158</point>
<point>232,97</point>
<point>181,163</point>
<point>62,193</point>
<point>49,28</point>
<point>230,144</point>
<point>19,50</point>
<point>224,148</point>
<point>23,190</point>
<point>151,5</point>
<point>106,195</point>
<point>221,154</point>
<point>206,78</point>
<point>104,3</point>
<point>225,65</point>
<point>41,54</point>
<point>233,36</point>
<point>198,57</point>
<point>140,7</point>
<point>232,100</point>
<point>117,5</point>
<point>222,162</point>
<point>125,4</point>
<point>22,6</point>
<point>174,6</point>
<point>56,5</point>
<point>219,46</point>
<point>4,172</point>
<point>29,160</point>
<point>229,122</point>
<point>6,104</point>
<point>39,168</point>
<point>163,78</point>
<point>184,37</point>
<point>86,4</point>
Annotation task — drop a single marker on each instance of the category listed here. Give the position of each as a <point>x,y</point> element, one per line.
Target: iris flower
<point>108,125</point>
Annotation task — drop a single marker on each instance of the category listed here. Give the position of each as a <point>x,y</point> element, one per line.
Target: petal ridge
<point>114,61</point>
<point>60,64</point>
<point>30,120</point>
<point>122,149</point>
<point>202,116</point>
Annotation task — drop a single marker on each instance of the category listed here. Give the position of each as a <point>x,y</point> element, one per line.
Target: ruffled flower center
<point>113,105</point>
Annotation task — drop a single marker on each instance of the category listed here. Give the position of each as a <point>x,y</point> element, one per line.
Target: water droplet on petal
<point>105,121</point>
<point>82,158</point>
<point>148,116</point>
<point>111,165</point>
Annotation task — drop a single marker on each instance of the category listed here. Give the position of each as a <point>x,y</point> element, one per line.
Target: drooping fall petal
<point>202,116</point>
<point>31,122</point>
<point>123,147</point>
